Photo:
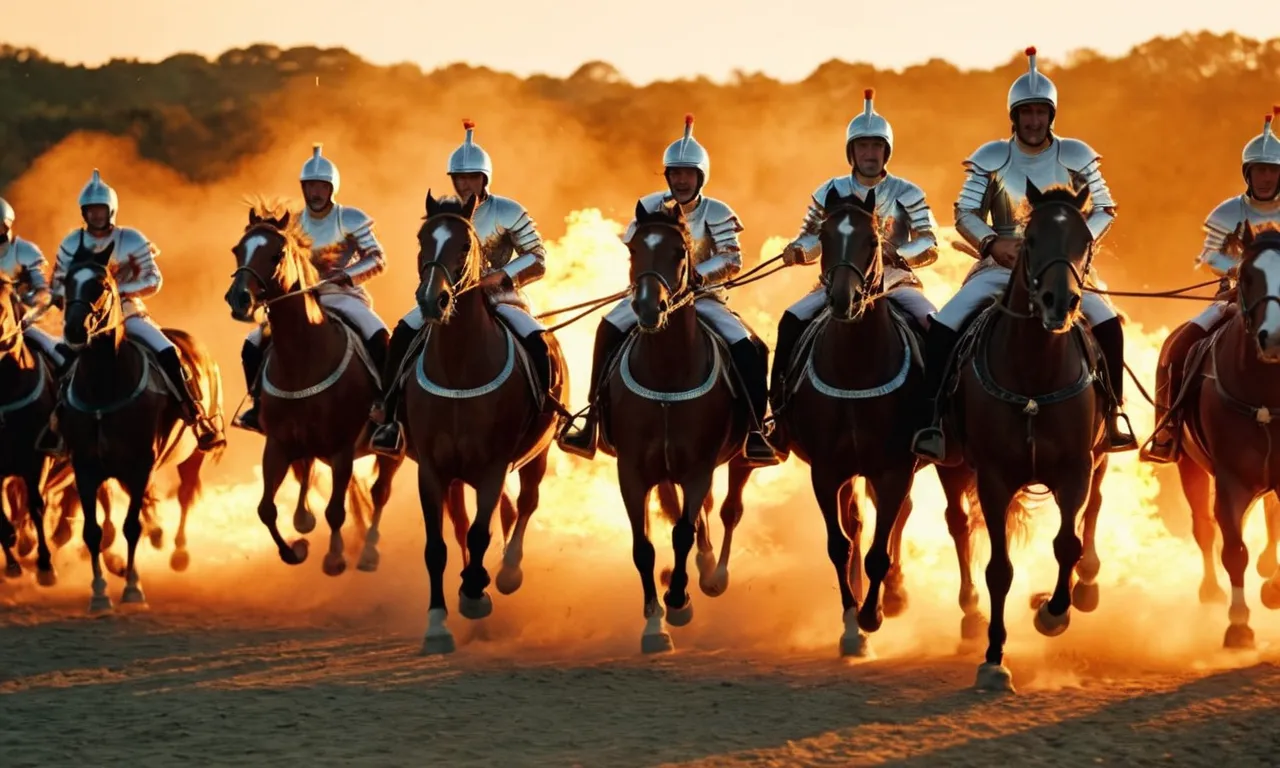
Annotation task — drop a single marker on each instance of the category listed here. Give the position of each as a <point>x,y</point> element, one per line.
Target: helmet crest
<point>470,157</point>
<point>1032,87</point>
<point>320,168</point>
<point>98,192</point>
<point>686,152</point>
<point>1263,149</point>
<point>869,124</point>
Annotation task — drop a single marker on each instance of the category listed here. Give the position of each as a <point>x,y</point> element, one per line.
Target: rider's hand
<point>793,254</point>
<point>1005,251</point>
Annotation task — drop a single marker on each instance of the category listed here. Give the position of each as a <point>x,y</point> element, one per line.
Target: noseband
<point>870,290</point>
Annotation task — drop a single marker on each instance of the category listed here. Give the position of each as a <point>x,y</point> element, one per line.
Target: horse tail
<point>207,372</point>
<point>1017,520</point>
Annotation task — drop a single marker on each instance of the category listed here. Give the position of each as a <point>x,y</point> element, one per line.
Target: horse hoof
<point>180,560</point>
<point>1084,597</point>
<point>297,552</point>
<point>868,620</point>
<point>114,564</point>
<point>156,536</point>
<point>1212,594</point>
<point>974,626</point>
<point>1049,625</point>
<point>894,602</point>
<point>855,646</point>
<point>13,570</point>
<point>680,617</point>
<point>659,642</point>
<point>133,596</point>
<point>716,583</point>
<point>334,565</point>
<point>509,579</point>
<point>995,678</point>
<point>475,608</point>
<point>369,560</point>
<point>438,644</point>
<point>304,522</point>
<point>1270,594</point>
<point>47,578</point>
<point>99,604</point>
<point>1239,638</point>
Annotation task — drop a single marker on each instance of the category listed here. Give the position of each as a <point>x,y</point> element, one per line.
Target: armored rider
<point>133,266</point>
<point>717,257</point>
<point>908,233</point>
<point>995,183</point>
<point>1258,206</point>
<point>346,252</point>
<point>513,257</point>
<point>23,262</point>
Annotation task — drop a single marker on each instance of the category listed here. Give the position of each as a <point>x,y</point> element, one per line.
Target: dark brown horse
<point>473,414</point>
<point>672,416</point>
<point>317,385</point>
<point>119,415</point>
<point>1231,397</point>
<point>1029,412</point>
<point>852,394</point>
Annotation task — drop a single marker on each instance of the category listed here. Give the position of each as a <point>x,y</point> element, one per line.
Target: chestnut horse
<point>119,416</point>
<point>1033,413</point>
<point>317,381</point>
<point>473,414</point>
<point>1228,435</point>
<point>672,416</point>
<point>853,388</point>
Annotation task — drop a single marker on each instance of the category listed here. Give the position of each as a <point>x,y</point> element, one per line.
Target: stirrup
<point>51,443</point>
<point>388,440</point>
<point>758,457</point>
<point>244,421</point>
<point>930,444</point>
<point>1124,439</point>
<point>208,436</point>
<point>580,443</point>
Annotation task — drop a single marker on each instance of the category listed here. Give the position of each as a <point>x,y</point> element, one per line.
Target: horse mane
<point>473,265</point>
<point>297,243</point>
<point>1056,193</point>
<point>1266,236</point>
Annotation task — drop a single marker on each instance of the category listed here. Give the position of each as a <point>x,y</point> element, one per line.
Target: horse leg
<point>381,494</point>
<point>1197,490</point>
<point>829,490</point>
<point>1231,501</point>
<point>891,490</point>
<point>456,507</point>
<point>1267,563</point>
<point>895,600</point>
<point>955,485</point>
<point>473,601</point>
<point>510,577</point>
<point>88,480</point>
<point>9,539</point>
<point>138,488</point>
<point>730,515</point>
<point>335,512</point>
<point>635,497</point>
<point>851,524</point>
<point>304,520</point>
<point>34,479</point>
<point>20,517</point>
<point>110,560</point>
<point>705,557</point>
<point>994,494</point>
<point>67,504</point>
<point>507,514</point>
<point>151,519</point>
<point>275,465</point>
<point>676,598</point>
<point>1053,612</point>
<point>189,490</point>
<point>1084,595</point>
<point>431,496</point>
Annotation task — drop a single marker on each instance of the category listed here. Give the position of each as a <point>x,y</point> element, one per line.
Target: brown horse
<point>1033,413</point>
<point>672,416</point>
<point>848,410</point>
<point>473,414</point>
<point>119,415</point>
<point>317,381</point>
<point>1228,434</point>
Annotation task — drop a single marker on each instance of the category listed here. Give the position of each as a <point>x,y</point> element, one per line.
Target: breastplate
<point>9,265</point>
<point>494,243</point>
<point>329,245</point>
<point>1008,190</point>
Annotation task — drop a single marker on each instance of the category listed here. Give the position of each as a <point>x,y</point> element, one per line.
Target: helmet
<point>869,124</point>
<point>7,214</point>
<point>686,152</point>
<point>1033,88</point>
<point>470,157</point>
<point>319,168</point>
<point>97,192</point>
<point>1263,148</point>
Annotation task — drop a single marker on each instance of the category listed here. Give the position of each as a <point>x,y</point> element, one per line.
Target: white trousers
<point>145,330</point>
<point>990,281</point>
<point>45,342</point>
<point>1212,315</point>
<point>716,314</point>
<point>516,316</point>
<point>908,298</point>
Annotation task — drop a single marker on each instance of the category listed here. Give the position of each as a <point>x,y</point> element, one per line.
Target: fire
<point>581,589</point>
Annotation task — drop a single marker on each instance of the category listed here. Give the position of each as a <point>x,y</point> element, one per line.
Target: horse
<point>120,416</point>
<point>1033,415</point>
<point>1228,434</point>
<point>318,385</point>
<point>473,412</point>
<point>853,387</point>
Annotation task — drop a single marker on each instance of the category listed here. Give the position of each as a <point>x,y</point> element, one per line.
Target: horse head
<point>92,298</point>
<point>272,261</point>
<point>449,257</point>
<point>851,266</point>
<point>1057,248</point>
<point>662,276</point>
<point>1259,289</point>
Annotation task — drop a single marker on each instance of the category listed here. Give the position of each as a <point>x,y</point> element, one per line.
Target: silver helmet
<point>470,157</point>
<point>686,152</point>
<point>869,124</point>
<point>97,192</point>
<point>1263,148</point>
<point>1033,87</point>
<point>7,214</point>
<point>320,168</point>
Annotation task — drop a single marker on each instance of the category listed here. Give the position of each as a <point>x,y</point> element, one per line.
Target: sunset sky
<point>644,40</point>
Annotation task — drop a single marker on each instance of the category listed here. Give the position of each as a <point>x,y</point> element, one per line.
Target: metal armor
<point>1263,148</point>
<point>714,227</point>
<point>686,152</point>
<point>907,224</point>
<point>343,240</point>
<point>320,168</point>
<point>98,192</point>
<point>996,181</point>
<point>870,124</point>
<point>23,263</point>
<point>7,214</point>
<point>1223,227</point>
<point>133,264</point>
<point>470,157</point>
<point>509,240</point>
<point>1032,87</point>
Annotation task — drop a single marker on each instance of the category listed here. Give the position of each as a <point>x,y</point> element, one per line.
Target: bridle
<point>458,285</point>
<point>676,297</point>
<point>872,279</point>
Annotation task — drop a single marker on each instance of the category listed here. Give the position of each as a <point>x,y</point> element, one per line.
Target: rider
<point>1259,205</point>
<point>133,265</point>
<point>23,263</point>
<point>717,255</point>
<point>995,185</point>
<point>908,239</point>
<point>347,253</point>
<point>513,258</point>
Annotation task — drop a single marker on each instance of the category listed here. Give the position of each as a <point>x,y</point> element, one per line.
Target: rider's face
<point>318,194</point>
<point>468,184</point>
<point>1264,180</point>
<point>683,183</point>
<point>1033,123</point>
<point>4,232</point>
<point>97,216</point>
<point>869,156</point>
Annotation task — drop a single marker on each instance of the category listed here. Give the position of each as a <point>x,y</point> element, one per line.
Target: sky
<point>645,41</point>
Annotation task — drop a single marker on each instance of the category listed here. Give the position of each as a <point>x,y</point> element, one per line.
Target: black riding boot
<point>582,442</point>
<point>388,438</point>
<point>1170,375</point>
<point>940,341</point>
<point>1110,337</point>
<point>790,329</point>
<point>251,359</point>
<point>208,435</point>
<point>753,371</point>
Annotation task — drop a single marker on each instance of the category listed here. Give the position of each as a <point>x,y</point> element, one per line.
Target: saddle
<point>1193,376</point>
<point>353,339</point>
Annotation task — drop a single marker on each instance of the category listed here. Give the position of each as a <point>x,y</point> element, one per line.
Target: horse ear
<point>103,257</point>
<point>869,203</point>
<point>431,203</point>
<point>1082,197</point>
<point>469,207</point>
<point>641,212</point>
<point>254,218</point>
<point>833,199</point>
<point>1034,195</point>
<point>1246,234</point>
<point>284,220</point>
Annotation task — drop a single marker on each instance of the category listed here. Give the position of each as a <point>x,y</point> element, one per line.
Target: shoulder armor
<point>131,242</point>
<point>1226,218</point>
<point>719,213</point>
<point>1075,155</point>
<point>909,195</point>
<point>652,202</point>
<point>353,220</point>
<point>990,157</point>
<point>70,243</point>
<point>508,211</point>
<point>28,253</point>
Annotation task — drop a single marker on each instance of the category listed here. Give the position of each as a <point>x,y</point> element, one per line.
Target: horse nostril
<point>1047,298</point>
<point>663,306</point>
<point>443,301</point>
<point>1074,303</point>
<point>1262,338</point>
